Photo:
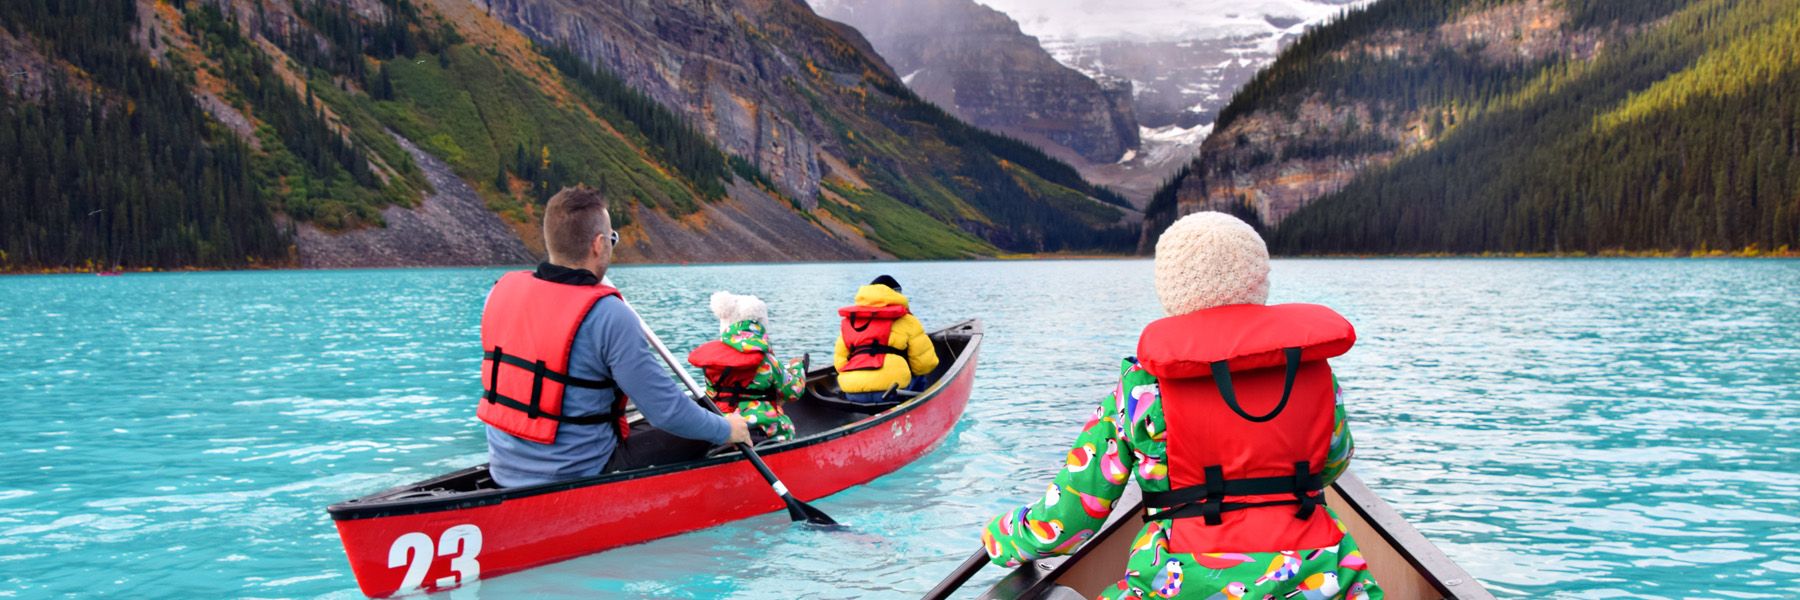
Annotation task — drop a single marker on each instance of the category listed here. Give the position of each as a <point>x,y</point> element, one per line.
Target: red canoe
<point>454,529</point>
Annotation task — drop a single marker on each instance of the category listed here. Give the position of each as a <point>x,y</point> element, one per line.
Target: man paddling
<point>561,353</point>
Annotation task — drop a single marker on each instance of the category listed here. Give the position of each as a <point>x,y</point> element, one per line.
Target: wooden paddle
<point>799,511</point>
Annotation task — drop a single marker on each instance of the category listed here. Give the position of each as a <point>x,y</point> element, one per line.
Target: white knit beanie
<point>1210,259</point>
<point>731,308</point>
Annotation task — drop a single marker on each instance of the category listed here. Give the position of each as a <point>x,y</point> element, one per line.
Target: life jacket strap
<point>1208,500</point>
<point>539,372</point>
<point>876,350</point>
<point>736,393</point>
<point>567,380</point>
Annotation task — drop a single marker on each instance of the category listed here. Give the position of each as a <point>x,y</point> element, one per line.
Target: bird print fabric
<point>1124,438</point>
<point>785,380</point>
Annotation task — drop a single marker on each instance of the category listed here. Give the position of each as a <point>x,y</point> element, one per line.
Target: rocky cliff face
<point>975,62</point>
<point>701,58</point>
<point>1276,152</point>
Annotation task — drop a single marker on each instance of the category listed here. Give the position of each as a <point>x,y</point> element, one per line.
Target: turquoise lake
<point>1561,428</point>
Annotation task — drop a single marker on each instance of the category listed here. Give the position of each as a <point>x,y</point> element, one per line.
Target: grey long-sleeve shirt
<point>609,345</point>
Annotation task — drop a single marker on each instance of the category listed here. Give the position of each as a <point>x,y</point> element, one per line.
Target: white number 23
<point>414,551</point>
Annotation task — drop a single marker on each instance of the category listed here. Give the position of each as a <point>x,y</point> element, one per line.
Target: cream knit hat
<point>731,308</point>
<point>1210,259</point>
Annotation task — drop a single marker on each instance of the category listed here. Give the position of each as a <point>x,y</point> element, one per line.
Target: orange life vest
<point>1249,406</point>
<point>865,330</point>
<point>527,331</point>
<point>730,372</point>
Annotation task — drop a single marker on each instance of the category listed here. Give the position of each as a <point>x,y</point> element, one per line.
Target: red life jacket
<point>865,330</point>
<point>527,331</point>
<point>729,371</point>
<point>1249,406</point>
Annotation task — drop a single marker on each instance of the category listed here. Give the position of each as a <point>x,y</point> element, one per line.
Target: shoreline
<point>1052,256</point>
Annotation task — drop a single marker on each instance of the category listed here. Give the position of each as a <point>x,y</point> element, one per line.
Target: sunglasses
<point>615,237</point>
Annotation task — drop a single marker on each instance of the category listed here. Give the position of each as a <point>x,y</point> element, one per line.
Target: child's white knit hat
<point>1210,259</point>
<point>731,308</point>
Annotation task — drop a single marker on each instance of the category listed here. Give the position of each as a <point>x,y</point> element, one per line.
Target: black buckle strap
<point>539,372</point>
<point>565,379</point>
<point>1214,504</point>
<point>537,390</point>
<point>1304,483</point>
<point>1208,499</point>
<point>724,392</point>
<point>1221,371</point>
<point>741,393</point>
<point>512,403</point>
<point>493,387</point>
<point>876,350</point>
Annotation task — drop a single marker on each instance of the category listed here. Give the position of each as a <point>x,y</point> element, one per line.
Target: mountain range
<point>323,133</point>
<point>1469,126</point>
<point>229,133</point>
<point>1183,59</point>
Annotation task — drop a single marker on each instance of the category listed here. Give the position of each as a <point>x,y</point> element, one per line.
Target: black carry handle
<point>1222,377</point>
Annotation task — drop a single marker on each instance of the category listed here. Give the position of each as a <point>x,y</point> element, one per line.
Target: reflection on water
<point>1561,428</point>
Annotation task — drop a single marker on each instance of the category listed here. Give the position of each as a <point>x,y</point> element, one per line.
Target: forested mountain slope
<point>197,133</point>
<point>813,106</point>
<point>1470,126</point>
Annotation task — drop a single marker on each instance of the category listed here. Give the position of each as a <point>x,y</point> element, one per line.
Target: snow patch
<point>1161,20</point>
<point>1174,134</point>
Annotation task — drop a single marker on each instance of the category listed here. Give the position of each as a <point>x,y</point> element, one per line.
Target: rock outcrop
<point>700,58</point>
<point>975,62</point>
<point>451,227</point>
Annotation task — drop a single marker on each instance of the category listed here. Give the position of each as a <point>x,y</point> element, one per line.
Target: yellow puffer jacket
<point>908,335</point>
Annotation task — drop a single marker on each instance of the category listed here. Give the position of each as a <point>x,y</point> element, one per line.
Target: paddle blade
<point>801,511</point>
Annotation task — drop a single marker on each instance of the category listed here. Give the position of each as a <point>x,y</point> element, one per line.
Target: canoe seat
<point>852,407</point>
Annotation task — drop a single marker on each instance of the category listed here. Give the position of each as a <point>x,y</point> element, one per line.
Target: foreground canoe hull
<point>444,542</point>
<point>1407,566</point>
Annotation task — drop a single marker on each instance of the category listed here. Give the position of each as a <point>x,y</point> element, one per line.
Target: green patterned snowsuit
<point>1125,437</point>
<point>784,382</point>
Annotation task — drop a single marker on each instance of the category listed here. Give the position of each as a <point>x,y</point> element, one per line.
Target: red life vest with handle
<point>865,330</point>
<point>729,371</point>
<point>527,331</point>
<point>1249,407</point>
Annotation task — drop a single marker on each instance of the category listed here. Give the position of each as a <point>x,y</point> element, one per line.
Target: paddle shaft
<point>800,511</point>
<point>963,572</point>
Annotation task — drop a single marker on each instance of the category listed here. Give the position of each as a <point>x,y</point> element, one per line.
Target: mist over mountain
<point>973,61</point>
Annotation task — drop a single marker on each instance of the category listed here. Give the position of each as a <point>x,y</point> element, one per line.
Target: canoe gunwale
<point>1035,579</point>
<point>369,507</point>
<point>1449,578</point>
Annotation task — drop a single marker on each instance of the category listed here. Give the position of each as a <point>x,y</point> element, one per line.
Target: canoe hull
<point>1407,565</point>
<point>483,538</point>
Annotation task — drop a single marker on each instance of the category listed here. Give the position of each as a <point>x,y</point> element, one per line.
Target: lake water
<point>1565,428</point>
